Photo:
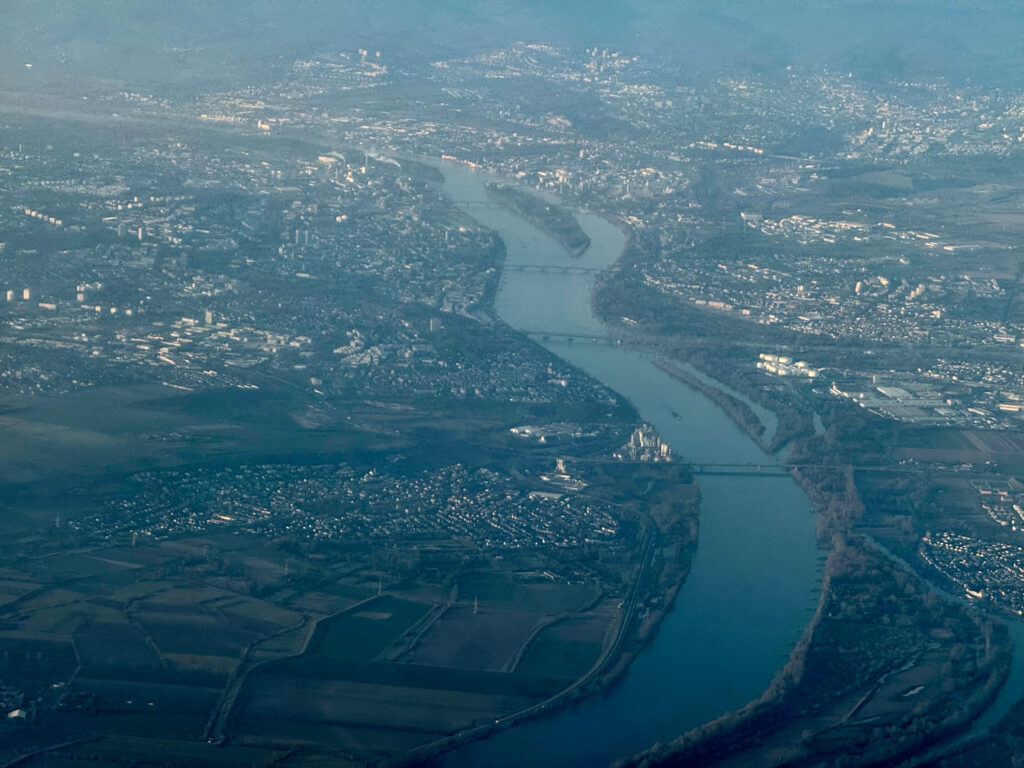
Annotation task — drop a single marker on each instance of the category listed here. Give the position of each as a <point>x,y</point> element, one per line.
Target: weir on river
<point>753,583</point>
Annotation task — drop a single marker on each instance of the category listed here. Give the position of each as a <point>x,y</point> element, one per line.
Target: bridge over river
<point>568,336</point>
<point>555,269</point>
<point>769,469</point>
<point>571,337</point>
<point>709,468</point>
<point>738,469</point>
<point>482,205</point>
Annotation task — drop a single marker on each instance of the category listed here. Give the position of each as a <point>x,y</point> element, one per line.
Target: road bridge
<point>557,269</point>
<point>763,470</point>
<point>768,469</point>
<point>591,338</point>
<point>648,345</point>
<point>484,204</point>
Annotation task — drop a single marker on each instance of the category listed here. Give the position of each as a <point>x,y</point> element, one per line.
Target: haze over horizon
<point>204,45</point>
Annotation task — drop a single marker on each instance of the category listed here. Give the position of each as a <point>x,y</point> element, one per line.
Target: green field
<point>375,707</point>
<point>370,705</point>
<point>110,644</point>
<point>110,752</point>
<point>366,631</point>
<point>157,709</point>
<point>28,660</point>
<point>485,639</point>
<point>569,647</point>
<point>502,590</point>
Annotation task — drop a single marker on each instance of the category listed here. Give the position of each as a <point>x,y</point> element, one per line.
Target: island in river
<point>555,220</point>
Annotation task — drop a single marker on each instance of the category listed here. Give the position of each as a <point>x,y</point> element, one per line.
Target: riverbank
<point>737,410</point>
<point>557,222</point>
<point>649,601</point>
<point>892,691</point>
<point>698,645</point>
<point>834,494</point>
<point>777,728</point>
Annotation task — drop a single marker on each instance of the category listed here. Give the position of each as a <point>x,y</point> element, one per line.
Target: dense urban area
<point>267,435</point>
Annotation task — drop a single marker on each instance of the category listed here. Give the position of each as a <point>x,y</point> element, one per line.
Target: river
<point>755,579</point>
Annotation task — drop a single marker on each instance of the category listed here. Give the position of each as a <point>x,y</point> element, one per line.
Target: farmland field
<point>375,707</point>
<point>13,590</point>
<point>569,647</point>
<point>188,631</point>
<point>110,751</point>
<point>157,709</point>
<point>487,639</point>
<point>108,644</point>
<point>503,590</point>
<point>32,658</point>
<point>368,704</point>
<point>366,631</point>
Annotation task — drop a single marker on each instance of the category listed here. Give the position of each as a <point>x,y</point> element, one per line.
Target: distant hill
<point>876,39</point>
<point>200,43</point>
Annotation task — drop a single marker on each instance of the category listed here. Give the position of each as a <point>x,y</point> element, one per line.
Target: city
<point>268,430</point>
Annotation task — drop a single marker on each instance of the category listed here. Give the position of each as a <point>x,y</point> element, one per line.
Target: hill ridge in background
<point>197,44</point>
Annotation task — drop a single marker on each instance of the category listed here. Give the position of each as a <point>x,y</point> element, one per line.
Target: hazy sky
<point>205,42</point>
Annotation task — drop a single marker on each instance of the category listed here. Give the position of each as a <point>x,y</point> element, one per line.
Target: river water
<point>756,575</point>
